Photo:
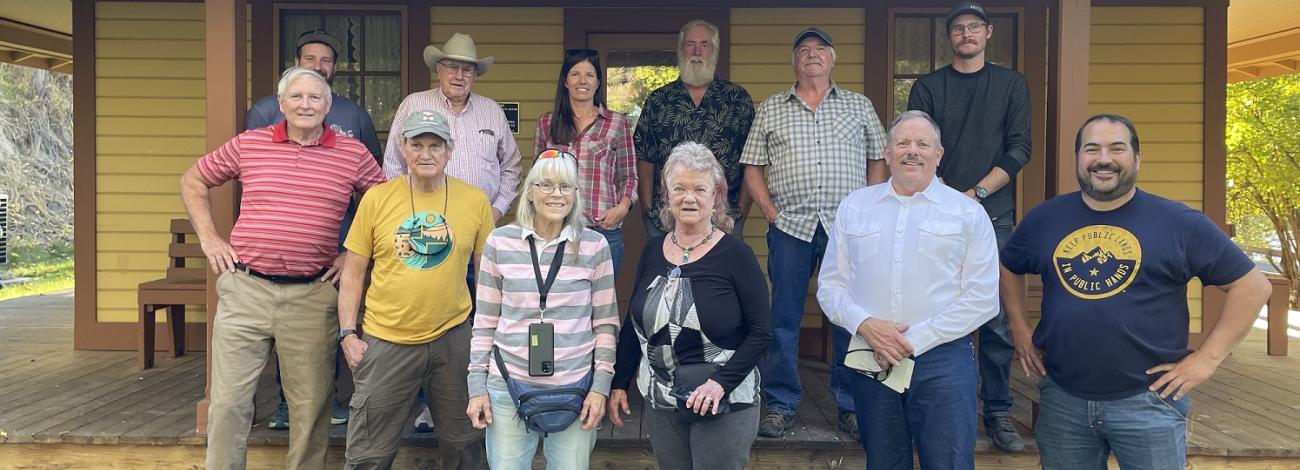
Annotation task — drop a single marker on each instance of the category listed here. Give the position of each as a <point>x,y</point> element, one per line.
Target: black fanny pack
<point>688,377</point>
<point>546,409</point>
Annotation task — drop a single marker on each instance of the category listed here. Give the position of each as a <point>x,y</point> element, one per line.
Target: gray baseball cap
<point>813,31</point>
<point>427,122</point>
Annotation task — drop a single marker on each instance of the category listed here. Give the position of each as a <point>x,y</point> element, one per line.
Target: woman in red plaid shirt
<point>602,141</point>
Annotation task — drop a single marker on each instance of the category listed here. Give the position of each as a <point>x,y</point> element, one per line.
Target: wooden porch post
<point>1068,106</point>
<point>226,53</point>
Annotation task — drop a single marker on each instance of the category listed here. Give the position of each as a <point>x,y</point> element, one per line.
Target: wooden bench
<point>182,286</point>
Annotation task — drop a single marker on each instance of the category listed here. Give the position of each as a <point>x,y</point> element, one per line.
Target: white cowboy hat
<point>459,47</point>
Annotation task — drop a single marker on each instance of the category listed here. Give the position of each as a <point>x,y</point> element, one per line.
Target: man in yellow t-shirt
<point>421,231</point>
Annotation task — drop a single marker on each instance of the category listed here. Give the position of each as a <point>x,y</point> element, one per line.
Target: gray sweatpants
<point>721,443</point>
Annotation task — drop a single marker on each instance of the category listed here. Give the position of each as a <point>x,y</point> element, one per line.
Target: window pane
<point>347,85</point>
<point>902,87</point>
<point>1000,45</point>
<point>383,94</point>
<point>294,26</point>
<point>911,46</point>
<point>942,45</point>
<point>383,43</point>
<point>347,30</point>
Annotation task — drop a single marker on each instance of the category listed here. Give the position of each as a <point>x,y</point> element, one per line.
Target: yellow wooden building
<point>152,97</point>
<point>159,83</point>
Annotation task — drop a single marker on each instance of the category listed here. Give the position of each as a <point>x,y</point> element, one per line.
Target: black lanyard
<point>544,286</point>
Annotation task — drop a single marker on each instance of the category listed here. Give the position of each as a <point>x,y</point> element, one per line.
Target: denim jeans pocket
<point>1181,408</point>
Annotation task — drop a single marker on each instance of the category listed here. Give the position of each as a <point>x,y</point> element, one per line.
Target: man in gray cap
<point>318,51</point>
<point>420,231</point>
<point>983,110</point>
<point>818,142</point>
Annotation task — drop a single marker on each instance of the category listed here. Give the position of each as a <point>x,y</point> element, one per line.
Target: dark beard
<point>1125,184</point>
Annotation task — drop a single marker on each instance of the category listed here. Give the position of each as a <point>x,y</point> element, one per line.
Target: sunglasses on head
<point>555,153</point>
<point>582,52</point>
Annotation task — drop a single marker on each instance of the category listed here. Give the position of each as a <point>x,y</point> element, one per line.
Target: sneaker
<point>280,419</point>
<point>339,415</point>
<point>775,424</point>
<point>424,422</point>
<point>849,424</point>
<point>1002,431</point>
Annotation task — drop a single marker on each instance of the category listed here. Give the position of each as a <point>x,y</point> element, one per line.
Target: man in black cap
<point>318,51</point>
<point>808,148</point>
<point>983,111</point>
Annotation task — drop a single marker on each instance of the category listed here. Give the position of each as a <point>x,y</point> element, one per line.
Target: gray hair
<point>915,114</point>
<point>696,158</point>
<point>294,73</point>
<point>560,170</point>
<point>714,37</point>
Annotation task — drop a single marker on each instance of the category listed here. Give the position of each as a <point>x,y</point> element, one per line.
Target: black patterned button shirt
<point>721,123</point>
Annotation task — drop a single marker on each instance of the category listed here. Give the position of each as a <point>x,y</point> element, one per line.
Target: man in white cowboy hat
<point>486,155</point>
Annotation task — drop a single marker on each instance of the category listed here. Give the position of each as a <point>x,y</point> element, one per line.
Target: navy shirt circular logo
<point>1097,261</point>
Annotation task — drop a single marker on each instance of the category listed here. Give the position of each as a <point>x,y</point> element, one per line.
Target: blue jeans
<point>511,446</point>
<point>936,415</point>
<point>995,346</point>
<point>615,239</point>
<point>1145,431</point>
<point>791,262</point>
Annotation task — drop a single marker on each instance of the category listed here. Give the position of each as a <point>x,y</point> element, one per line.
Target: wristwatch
<point>346,333</point>
<point>981,192</point>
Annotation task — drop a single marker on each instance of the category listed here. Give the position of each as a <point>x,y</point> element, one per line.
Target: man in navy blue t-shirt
<point>1112,343</point>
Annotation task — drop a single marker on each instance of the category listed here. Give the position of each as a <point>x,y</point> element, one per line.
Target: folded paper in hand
<point>861,358</point>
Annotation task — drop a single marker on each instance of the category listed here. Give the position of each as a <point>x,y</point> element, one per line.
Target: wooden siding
<point>149,128</point>
<point>761,44</point>
<point>1147,63</point>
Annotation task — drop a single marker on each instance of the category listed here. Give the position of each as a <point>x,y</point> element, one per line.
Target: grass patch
<point>50,269</point>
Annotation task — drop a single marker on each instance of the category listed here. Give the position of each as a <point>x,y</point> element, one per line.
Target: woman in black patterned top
<point>696,326</point>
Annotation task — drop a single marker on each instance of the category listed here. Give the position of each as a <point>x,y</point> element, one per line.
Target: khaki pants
<point>387,380</point>
<point>301,321</point>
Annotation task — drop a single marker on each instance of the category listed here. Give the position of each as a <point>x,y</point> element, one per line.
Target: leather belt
<point>280,279</point>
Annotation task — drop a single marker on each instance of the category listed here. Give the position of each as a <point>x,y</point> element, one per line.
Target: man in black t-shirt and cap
<point>983,111</point>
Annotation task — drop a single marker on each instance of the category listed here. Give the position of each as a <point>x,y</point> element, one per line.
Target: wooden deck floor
<point>55,395</point>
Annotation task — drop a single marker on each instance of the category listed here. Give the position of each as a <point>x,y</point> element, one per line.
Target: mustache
<point>1104,167</point>
<point>912,158</point>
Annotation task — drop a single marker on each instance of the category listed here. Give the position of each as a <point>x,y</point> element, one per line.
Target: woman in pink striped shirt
<point>520,288</point>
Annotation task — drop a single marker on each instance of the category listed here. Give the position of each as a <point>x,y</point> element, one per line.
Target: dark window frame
<point>283,37</point>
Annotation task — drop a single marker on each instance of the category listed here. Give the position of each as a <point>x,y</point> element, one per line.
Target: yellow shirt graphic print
<point>1097,261</point>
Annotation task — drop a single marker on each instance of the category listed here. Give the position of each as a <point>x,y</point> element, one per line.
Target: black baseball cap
<point>967,7</point>
<point>813,31</point>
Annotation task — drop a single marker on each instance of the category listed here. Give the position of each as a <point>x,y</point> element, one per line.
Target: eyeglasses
<point>975,28</point>
<point>457,69</point>
<point>555,153</point>
<point>549,188</point>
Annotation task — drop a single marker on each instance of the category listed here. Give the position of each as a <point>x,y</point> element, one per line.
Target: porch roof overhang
<point>1263,39</point>
<point>37,34</point>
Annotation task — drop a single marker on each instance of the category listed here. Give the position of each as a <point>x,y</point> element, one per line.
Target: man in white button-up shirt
<point>912,267</point>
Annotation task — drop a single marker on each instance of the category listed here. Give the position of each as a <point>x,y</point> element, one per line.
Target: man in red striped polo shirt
<point>279,267</point>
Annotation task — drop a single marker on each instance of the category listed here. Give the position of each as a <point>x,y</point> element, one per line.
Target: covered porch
<point>96,409</point>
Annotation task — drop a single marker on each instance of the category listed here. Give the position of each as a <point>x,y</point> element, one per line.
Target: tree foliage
<point>36,153</point>
<point>629,87</point>
<point>1263,139</point>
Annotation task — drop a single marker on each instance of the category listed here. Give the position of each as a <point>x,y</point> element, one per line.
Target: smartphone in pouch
<point>541,349</point>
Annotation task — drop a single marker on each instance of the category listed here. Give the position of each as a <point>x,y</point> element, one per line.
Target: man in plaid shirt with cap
<point>818,143</point>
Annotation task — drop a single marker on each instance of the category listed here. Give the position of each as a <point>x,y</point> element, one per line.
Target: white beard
<point>697,74</point>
